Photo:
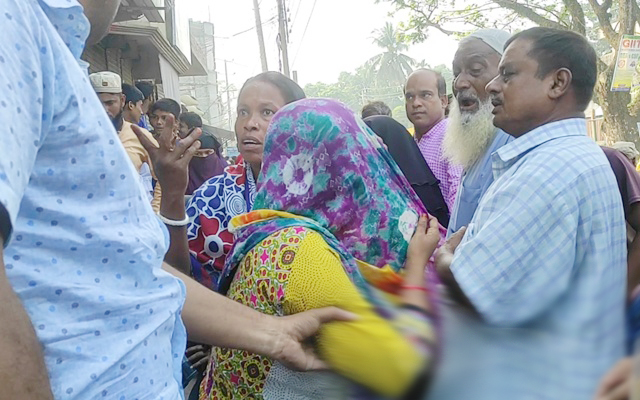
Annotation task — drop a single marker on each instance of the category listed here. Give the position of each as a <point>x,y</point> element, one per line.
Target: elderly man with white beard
<point>470,140</point>
<point>471,137</point>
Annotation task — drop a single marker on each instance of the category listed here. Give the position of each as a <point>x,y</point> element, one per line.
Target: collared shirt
<point>474,184</point>
<point>86,250</point>
<point>448,174</point>
<point>544,263</point>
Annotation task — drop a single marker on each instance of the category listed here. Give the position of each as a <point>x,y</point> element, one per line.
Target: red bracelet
<point>422,288</point>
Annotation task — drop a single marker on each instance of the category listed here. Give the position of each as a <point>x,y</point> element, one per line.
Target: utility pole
<point>284,37</point>
<point>263,51</point>
<point>226,78</point>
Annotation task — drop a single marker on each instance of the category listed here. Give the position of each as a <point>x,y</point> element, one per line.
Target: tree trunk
<point>618,124</point>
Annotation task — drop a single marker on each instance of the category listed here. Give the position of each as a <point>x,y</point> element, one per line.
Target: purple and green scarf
<point>326,167</point>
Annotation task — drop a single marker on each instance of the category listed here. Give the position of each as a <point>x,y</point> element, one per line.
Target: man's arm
<point>23,374</point>
<point>218,321</point>
<point>22,370</point>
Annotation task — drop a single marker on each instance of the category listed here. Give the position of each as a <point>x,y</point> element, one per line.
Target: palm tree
<point>391,66</point>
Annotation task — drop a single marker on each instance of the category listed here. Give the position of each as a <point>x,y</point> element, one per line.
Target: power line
<point>253,27</point>
<point>304,33</point>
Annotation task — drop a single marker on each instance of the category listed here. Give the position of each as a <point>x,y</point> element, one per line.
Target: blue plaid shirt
<point>86,250</point>
<point>544,263</point>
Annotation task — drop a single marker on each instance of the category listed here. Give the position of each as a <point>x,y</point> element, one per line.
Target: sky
<point>327,36</point>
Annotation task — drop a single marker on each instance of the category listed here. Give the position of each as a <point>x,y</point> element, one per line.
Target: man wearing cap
<point>470,140</point>
<point>471,137</point>
<point>108,86</point>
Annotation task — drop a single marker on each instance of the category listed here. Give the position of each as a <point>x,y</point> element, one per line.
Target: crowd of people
<point>490,253</point>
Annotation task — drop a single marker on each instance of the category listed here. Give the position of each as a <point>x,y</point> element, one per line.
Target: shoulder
<point>298,236</point>
<point>565,159</point>
<point>127,135</point>
<point>301,242</point>
<point>572,168</point>
<point>212,188</point>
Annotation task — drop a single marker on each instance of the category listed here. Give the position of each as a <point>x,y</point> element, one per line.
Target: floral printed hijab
<point>323,165</point>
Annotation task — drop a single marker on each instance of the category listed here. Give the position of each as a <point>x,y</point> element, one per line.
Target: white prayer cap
<point>495,38</point>
<point>106,82</point>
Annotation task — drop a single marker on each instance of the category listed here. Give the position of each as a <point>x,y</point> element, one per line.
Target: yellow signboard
<point>626,64</point>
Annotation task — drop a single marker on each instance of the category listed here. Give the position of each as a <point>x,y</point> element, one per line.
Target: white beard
<point>468,134</point>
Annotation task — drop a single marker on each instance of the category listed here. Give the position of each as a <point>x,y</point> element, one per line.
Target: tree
<point>602,21</point>
<point>357,89</point>
<point>391,65</point>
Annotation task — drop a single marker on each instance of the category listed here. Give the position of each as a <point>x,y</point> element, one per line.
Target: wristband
<point>422,288</point>
<point>173,222</point>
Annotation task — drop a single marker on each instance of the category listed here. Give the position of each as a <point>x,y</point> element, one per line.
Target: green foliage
<point>392,65</point>
<point>601,21</point>
<point>381,78</point>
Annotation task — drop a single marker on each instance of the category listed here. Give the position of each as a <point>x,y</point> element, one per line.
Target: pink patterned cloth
<point>448,174</point>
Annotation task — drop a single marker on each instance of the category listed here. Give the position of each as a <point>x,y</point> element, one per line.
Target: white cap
<point>106,82</point>
<point>495,38</point>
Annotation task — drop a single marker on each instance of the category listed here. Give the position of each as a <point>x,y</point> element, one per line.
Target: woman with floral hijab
<point>332,225</point>
<point>225,196</point>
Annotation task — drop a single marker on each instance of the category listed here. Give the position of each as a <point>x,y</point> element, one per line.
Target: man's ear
<point>560,84</point>
<point>444,100</point>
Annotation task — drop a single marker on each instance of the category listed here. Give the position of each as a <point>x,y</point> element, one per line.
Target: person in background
<point>425,96</point>
<point>332,207</point>
<point>628,181</point>
<point>148,92</point>
<point>188,121</point>
<point>628,149</point>
<point>406,154</point>
<point>208,161</point>
<point>88,309</point>
<point>108,86</point>
<point>159,112</point>
<point>201,246</point>
<point>471,138</point>
<point>132,113</point>
<point>542,264</point>
<point>133,99</point>
<point>375,108</point>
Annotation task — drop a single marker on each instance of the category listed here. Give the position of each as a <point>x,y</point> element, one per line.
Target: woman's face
<point>257,104</point>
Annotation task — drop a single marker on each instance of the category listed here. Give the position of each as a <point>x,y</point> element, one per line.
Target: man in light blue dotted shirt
<point>541,270</point>
<point>83,250</point>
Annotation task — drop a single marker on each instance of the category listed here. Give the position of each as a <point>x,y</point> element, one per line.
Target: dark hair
<point>442,84</point>
<point>290,90</point>
<point>375,108</point>
<point>192,120</point>
<point>556,48</point>
<point>131,93</point>
<point>146,88</point>
<point>166,105</point>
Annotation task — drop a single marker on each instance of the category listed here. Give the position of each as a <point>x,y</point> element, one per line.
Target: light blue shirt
<point>474,184</point>
<point>86,250</point>
<point>544,263</point>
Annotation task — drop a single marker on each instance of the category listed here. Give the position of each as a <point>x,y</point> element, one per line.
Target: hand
<point>198,357</point>
<point>444,256</point>
<point>616,384</point>
<point>291,332</point>
<point>424,241</point>
<point>171,160</point>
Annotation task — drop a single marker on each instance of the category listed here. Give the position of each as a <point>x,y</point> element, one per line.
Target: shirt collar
<point>553,130</point>
<point>67,17</point>
<point>440,126</point>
